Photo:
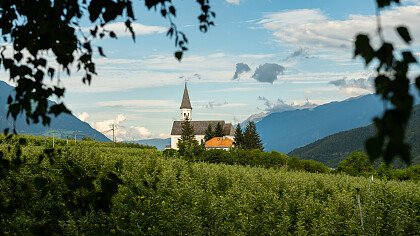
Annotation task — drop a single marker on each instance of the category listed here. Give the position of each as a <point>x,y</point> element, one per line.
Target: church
<point>199,126</point>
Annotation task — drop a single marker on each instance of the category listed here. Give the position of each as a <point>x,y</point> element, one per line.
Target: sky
<point>262,56</point>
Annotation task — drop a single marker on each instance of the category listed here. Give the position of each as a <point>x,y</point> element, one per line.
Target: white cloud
<point>164,136</point>
<point>121,132</point>
<point>140,103</point>
<point>105,125</point>
<point>121,30</point>
<point>235,2</point>
<point>137,132</point>
<point>84,116</point>
<point>312,27</point>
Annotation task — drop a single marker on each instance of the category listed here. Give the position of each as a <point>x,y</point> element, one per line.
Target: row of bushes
<point>255,158</point>
<point>47,142</point>
<point>128,191</point>
<point>358,164</point>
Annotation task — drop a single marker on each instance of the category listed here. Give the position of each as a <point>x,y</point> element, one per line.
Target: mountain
<point>65,125</point>
<point>335,148</point>
<point>160,144</point>
<point>254,117</point>
<point>285,131</point>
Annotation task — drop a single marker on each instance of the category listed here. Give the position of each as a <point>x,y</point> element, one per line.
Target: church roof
<point>201,126</point>
<point>185,104</point>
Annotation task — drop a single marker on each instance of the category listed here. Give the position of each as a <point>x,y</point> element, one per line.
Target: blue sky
<point>299,53</point>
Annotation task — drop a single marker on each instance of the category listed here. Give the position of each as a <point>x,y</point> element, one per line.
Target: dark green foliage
<point>209,133</point>
<point>46,27</point>
<point>387,172</point>
<point>357,164</point>
<point>170,152</point>
<point>392,84</point>
<point>259,158</point>
<point>188,146</point>
<point>187,131</point>
<point>251,137</point>
<point>104,190</point>
<point>239,136</point>
<point>218,131</point>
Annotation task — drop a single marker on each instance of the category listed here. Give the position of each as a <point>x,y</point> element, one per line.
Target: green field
<point>100,189</point>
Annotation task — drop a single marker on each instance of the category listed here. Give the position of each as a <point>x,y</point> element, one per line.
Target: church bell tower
<point>186,109</point>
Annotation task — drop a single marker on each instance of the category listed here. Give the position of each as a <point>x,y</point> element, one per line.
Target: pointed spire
<point>185,104</point>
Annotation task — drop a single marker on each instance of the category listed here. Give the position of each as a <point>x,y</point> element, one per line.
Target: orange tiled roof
<point>219,142</point>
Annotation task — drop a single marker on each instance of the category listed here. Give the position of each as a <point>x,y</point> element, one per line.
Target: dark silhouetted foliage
<point>35,29</point>
<point>392,84</point>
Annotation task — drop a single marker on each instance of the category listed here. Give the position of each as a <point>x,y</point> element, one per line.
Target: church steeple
<point>186,108</point>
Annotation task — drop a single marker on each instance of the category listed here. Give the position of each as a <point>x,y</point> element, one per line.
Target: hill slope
<point>288,130</point>
<point>334,148</point>
<point>64,125</point>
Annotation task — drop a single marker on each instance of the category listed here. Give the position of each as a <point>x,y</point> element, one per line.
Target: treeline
<point>358,164</point>
<point>49,142</point>
<point>254,158</point>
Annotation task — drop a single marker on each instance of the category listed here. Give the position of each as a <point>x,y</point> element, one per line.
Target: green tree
<point>209,133</point>
<point>251,137</point>
<point>239,136</point>
<point>53,28</point>
<point>218,132</point>
<point>188,146</point>
<point>357,163</point>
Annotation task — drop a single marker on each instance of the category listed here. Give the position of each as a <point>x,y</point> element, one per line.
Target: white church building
<point>199,126</point>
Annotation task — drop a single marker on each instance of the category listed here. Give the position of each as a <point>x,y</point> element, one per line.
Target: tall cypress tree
<point>187,131</point>
<point>239,137</point>
<point>209,133</point>
<point>252,138</point>
<point>188,146</point>
<point>218,132</point>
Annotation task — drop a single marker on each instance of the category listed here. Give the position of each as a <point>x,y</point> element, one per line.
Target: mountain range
<point>64,125</point>
<point>335,148</point>
<point>288,130</point>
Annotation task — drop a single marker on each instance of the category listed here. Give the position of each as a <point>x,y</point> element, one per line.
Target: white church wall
<point>174,140</point>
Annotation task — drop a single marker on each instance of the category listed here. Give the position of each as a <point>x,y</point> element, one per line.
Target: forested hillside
<point>334,148</point>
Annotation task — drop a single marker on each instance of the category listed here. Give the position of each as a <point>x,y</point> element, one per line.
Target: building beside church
<point>199,126</point>
<point>223,143</point>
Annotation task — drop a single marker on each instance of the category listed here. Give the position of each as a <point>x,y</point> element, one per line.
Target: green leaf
<point>112,34</point>
<point>373,147</point>
<point>404,34</point>
<point>57,109</point>
<point>178,55</point>
<point>172,10</point>
<point>101,51</point>
<point>363,48</point>
<point>408,57</point>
